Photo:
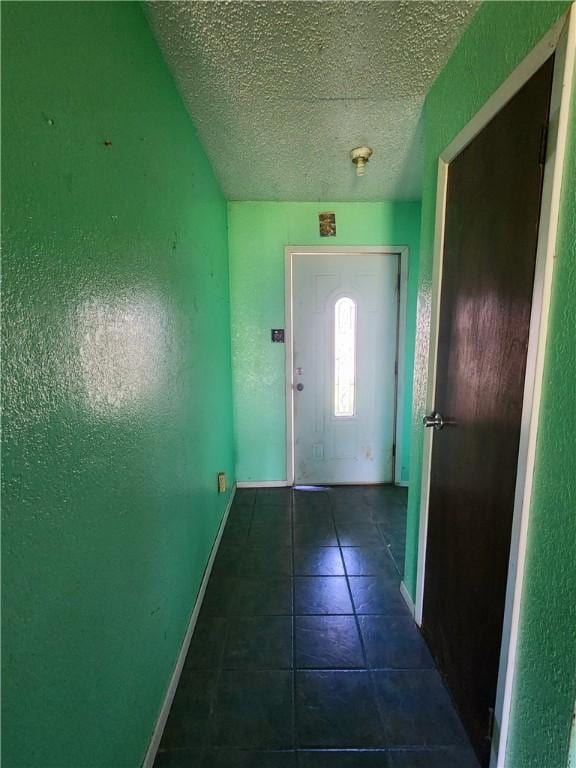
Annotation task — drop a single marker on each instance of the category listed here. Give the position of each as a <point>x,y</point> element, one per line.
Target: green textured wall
<point>499,37</point>
<point>258,233</point>
<point>116,385</point>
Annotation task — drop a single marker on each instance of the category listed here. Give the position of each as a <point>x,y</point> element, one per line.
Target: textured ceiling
<point>281,91</point>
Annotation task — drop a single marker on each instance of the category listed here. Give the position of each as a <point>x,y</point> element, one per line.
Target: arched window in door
<point>344,357</point>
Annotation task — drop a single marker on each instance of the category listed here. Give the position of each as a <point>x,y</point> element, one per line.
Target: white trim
<point>175,678</point>
<point>264,484</point>
<point>289,366</point>
<point>401,361</point>
<point>402,251</point>
<point>561,38</point>
<point>431,382</point>
<point>547,235</point>
<point>513,83</point>
<point>334,484</point>
<point>572,746</point>
<point>407,599</point>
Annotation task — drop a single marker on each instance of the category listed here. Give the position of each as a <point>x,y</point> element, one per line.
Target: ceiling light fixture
<point>360,156</point>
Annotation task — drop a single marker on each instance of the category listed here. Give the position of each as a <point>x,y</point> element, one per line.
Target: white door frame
<point>290,251</point>
<point>561,40</point>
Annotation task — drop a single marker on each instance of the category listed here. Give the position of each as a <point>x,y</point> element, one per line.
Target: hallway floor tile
<point>305,654</point>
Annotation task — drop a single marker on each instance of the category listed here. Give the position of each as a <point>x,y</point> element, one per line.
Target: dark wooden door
<point>493,206</point>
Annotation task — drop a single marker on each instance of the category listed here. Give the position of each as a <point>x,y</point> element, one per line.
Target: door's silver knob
<point>435,420</point>
<point>299,387</point>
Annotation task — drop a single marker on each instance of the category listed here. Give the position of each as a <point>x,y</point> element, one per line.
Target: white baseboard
<point>288,484</point>
<point>264,484</point>
<point>174,680</point>
<point>407,599</point>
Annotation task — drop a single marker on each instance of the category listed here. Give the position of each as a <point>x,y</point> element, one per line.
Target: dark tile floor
<point>304,654</point>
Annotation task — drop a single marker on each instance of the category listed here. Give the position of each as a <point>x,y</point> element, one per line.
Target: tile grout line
<point>293,584</point>
<point>297,749</point>
<point>207,741</point>
<point>206,747</point>
<point>362,645</point>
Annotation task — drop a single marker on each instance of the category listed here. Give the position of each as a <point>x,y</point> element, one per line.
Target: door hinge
<point>393,450</point>
<point>543,144</point>
<point>398,283</point>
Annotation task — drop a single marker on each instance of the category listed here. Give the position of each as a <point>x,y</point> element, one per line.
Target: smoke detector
<point>360,156</point>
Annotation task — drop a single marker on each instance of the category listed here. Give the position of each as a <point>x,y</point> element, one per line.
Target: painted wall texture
<point>116,385</point>
<point>499,37</point>
<point>258,233</point>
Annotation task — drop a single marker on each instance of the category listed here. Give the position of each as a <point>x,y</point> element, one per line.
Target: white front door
<point>345,341</point>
